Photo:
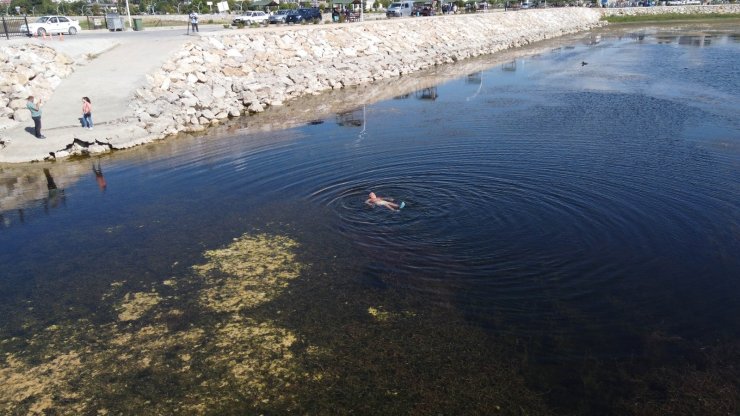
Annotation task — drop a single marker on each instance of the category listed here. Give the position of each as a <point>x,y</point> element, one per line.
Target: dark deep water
<point>576,211</point>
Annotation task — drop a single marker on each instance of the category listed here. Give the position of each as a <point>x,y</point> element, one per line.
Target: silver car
<point>279,16</point>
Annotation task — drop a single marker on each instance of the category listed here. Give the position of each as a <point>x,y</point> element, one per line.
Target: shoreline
<point>221,75</point>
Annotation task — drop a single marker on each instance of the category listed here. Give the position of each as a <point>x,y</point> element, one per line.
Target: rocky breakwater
<point>28,69</point>
<point>687,9</point>
<point>225,74</point>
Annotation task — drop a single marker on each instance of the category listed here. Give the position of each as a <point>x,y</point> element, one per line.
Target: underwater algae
<point>139,363</point>
<point>259,267</point>
<point>135,305</point>
<point>239,335</point>
<point>381,315</point>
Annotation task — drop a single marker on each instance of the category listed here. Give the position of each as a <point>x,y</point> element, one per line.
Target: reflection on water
<point>351,118</point>
<point>474,78</point>
<point>22,191</point>
<point>568,246</point>
<point>99,178</point>
<point>56,195</point>
<point>429,93</point>
<point>509,66</point>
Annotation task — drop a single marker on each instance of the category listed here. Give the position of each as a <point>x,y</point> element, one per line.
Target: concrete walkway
<point>118,66</point>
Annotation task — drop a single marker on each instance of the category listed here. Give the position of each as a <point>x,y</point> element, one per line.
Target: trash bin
<point>138,23</point>
<point>114,22</point>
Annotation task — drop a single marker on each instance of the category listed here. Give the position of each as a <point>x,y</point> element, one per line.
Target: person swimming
<point>374,200</point>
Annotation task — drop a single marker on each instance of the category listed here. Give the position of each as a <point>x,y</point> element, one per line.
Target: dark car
<point>422,11</point>
<point>304,15</point>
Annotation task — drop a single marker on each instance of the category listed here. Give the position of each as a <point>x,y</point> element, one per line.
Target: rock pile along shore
<point>28,69</point>
<point>225,74</point>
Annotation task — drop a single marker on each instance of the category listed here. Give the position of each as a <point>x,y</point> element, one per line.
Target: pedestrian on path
<point>35,108</point>
<point>87,113</point>
<point>194,20</point>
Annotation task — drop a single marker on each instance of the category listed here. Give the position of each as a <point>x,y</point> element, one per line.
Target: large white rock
<point>22,115</point>
<point>95,149</point>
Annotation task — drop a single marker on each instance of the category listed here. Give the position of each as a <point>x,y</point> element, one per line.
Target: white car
<point>251,17</point>
<point>52,24</point>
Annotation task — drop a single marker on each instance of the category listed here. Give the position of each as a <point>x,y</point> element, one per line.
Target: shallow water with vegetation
<point>568,246</point>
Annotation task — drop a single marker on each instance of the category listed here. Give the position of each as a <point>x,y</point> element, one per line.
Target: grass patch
<point>669,17</point>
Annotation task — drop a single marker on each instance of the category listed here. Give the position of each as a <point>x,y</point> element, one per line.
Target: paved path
<point>121,63</point>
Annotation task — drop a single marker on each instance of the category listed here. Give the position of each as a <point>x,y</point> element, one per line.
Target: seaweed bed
<point>217,341</point>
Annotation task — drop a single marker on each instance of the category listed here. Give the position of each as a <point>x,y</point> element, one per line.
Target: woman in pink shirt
<point>87,113</point>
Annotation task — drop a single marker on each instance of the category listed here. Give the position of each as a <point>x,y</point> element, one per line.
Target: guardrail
<point>11,26</point>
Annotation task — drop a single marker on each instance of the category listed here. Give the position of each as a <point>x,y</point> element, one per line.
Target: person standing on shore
<point>87,113</point>
<point>35,108</point>
<point>194,20</point>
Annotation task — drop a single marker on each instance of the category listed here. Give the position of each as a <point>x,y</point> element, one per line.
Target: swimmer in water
<point>382,202</point>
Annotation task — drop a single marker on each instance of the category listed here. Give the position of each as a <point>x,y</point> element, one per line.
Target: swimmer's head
<point>372,195</point>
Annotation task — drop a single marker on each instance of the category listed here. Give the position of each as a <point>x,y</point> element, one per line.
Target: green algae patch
<point>378,314</point>
<point>135,305</point>
<point>195,351</point>
<point>259,358</point>
<point>249,272</point>
<point>381,315</point>
<point>41,385</point>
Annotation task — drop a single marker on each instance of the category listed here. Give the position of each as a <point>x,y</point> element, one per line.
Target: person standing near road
<point>194,20</point>
<point>87,113</point>
<point>35,108</point>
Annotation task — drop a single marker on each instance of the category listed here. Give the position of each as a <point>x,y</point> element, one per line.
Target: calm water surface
<point>576,210</point>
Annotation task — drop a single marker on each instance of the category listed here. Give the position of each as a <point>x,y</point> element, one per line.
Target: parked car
<point>247,18</point>
<point>279,16</point>
<point>304,15</point>
<point>422,11</point>
<point>399,9</point>
<point>52,24</point>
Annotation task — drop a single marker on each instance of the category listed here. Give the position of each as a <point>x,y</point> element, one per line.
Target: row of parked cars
<point>310,15</point>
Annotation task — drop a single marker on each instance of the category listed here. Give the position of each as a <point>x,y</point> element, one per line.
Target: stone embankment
<point>688,9</point>
<point>224,74</point>
<point>28,69</point>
